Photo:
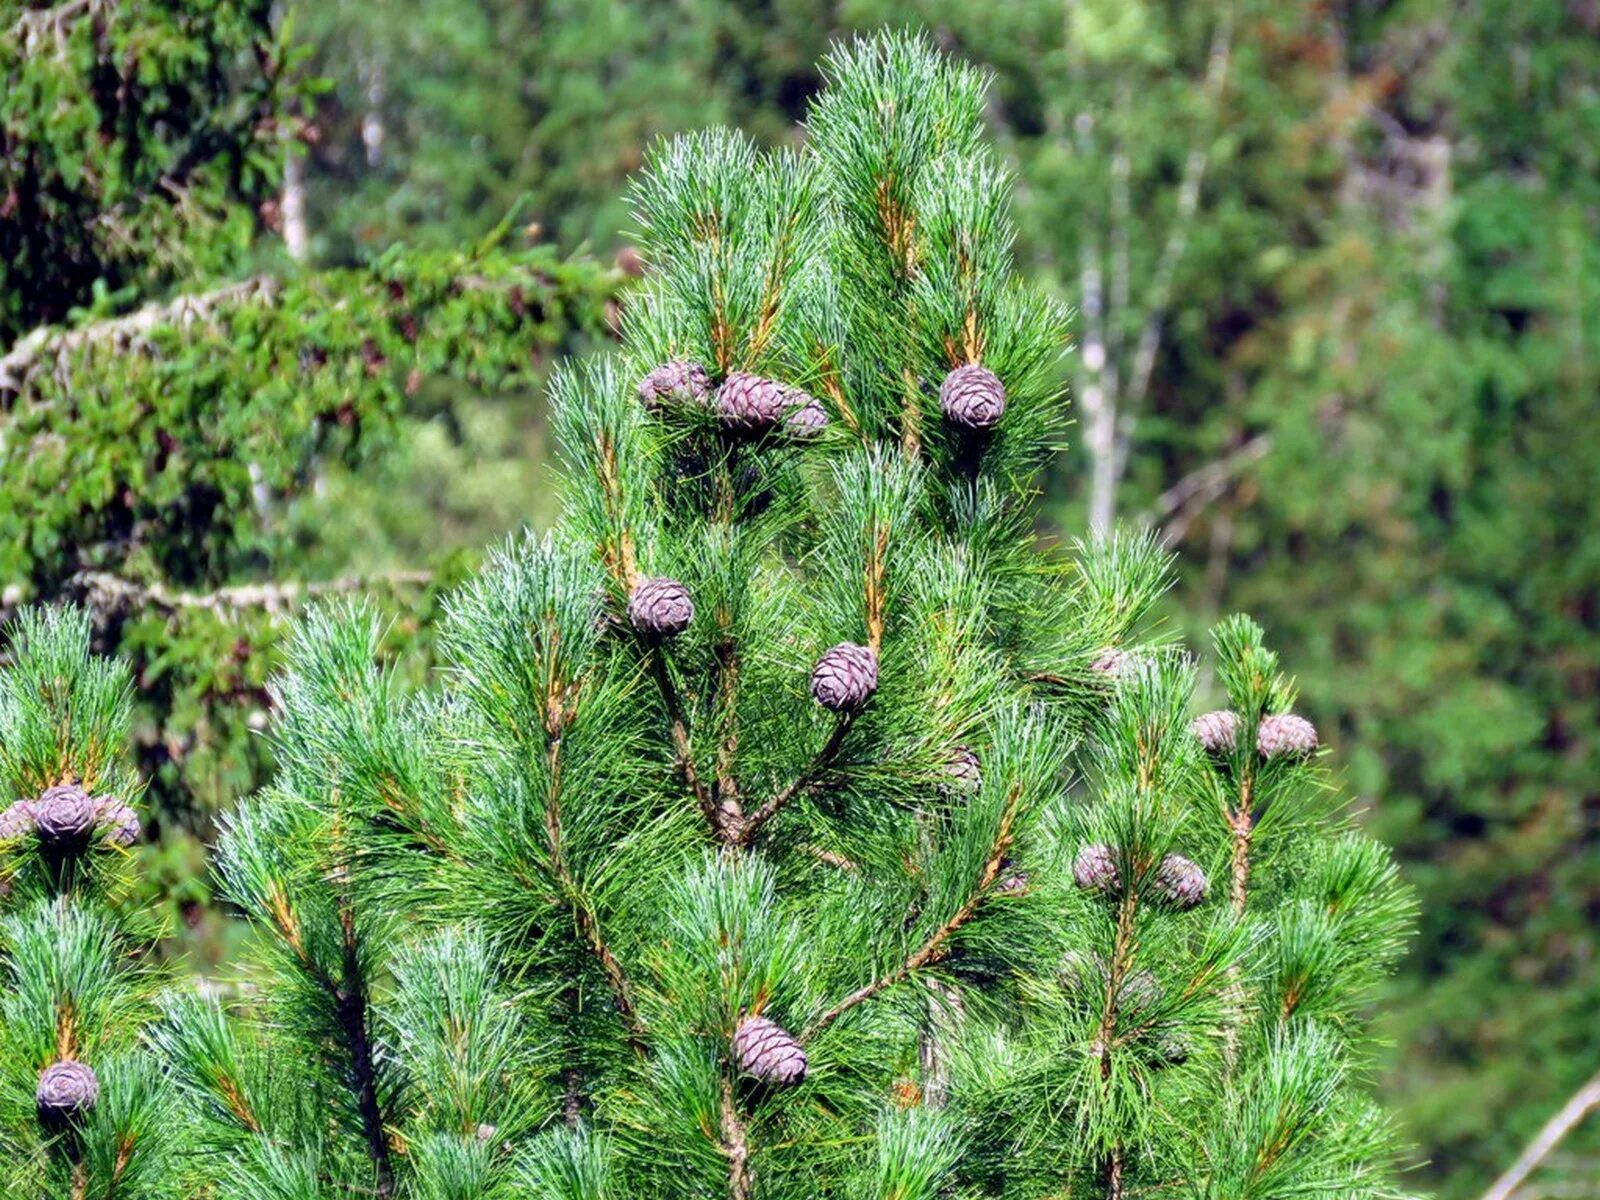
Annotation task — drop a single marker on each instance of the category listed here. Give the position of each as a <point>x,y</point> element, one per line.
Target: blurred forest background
<point>280,282</point>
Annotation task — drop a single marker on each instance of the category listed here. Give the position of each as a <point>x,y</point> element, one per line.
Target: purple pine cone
<point>1285,734</point>
<point>677,381</point>
<point>16,821</point>
<point>845,677</point>
<point>660,606</point>
<point>964,771</point>
<point>66,1088</point>
<point>64,815</point>
<point>972,397</point>
<point>1095,868</point>
<point>1180,881</point>
<point>1218,731</point>
<point>751,404</point>
<point>1013,882</point>
<point>117,822</point>
<point>807,417</point>
<point>768,1052</point>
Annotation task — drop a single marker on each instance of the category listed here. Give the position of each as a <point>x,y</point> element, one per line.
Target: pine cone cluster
<point>69,817</point>
<point>1180,881</point>
<point>64,815</point>
<point>1095,869</point>
<point>660,606</point>
<point>764,1050</point>
<point>66,1088</point>
<point>750,403</point>
<point>1218,731</point>
<point>964,771</point>
<point>677,381</point>
<point>1285,734</point>
<point>972,397</point>
<point>845,677</point>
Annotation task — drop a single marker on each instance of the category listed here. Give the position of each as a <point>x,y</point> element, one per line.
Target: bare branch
<point>50,343</point>
<point>1194,172</point>
<point>1582,1102</point>
<point>104,590</point>
<point>1187,497</point>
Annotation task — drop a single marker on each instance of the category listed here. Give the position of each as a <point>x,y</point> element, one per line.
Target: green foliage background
<point>1388,282</point>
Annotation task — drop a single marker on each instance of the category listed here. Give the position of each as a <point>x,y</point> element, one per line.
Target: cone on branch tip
<point>751,403</point>
<point>677,381</point>
<point>845,677</point>
<point>764,1050</point>
<point>1218,731</point>
<point>1095,869</point>
<point>972,397</point>
<point>66,1088</point>
<point>64,815</point>
<point>1284,735</point>
<point>660,607</point>
<point>1180,881</point>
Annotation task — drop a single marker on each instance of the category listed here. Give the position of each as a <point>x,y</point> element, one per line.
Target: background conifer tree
<point>755,773</point>
<point>85,1111</point>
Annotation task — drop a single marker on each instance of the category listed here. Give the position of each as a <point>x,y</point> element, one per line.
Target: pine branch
<point>351,1004</point>
<point>583,915</point>
<point>735,1145</point>
<point>936,946</point>
<point>804,782</point>
<point>683,752</point>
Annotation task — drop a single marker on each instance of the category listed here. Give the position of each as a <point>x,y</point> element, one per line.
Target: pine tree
<point>85,1110</point>
<point>350,1058</point>
<point>753,777</point>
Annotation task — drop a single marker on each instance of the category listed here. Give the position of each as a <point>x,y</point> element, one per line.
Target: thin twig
<point>1582,1102</point>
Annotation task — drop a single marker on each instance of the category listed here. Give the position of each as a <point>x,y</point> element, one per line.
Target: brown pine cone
<point>1285,734</point>
<point>660,606</point>
<point>64,815</point>
<point>766,1051</point>
<point>1095,869</point>
<point>751,404</point>
<point>677,381</point>
<point>1218,731</point>
<point>972,397</point>
<point>1180,881</point>
<point>66,1088</point>
<point>845,677</point>
<point>16,821</point>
